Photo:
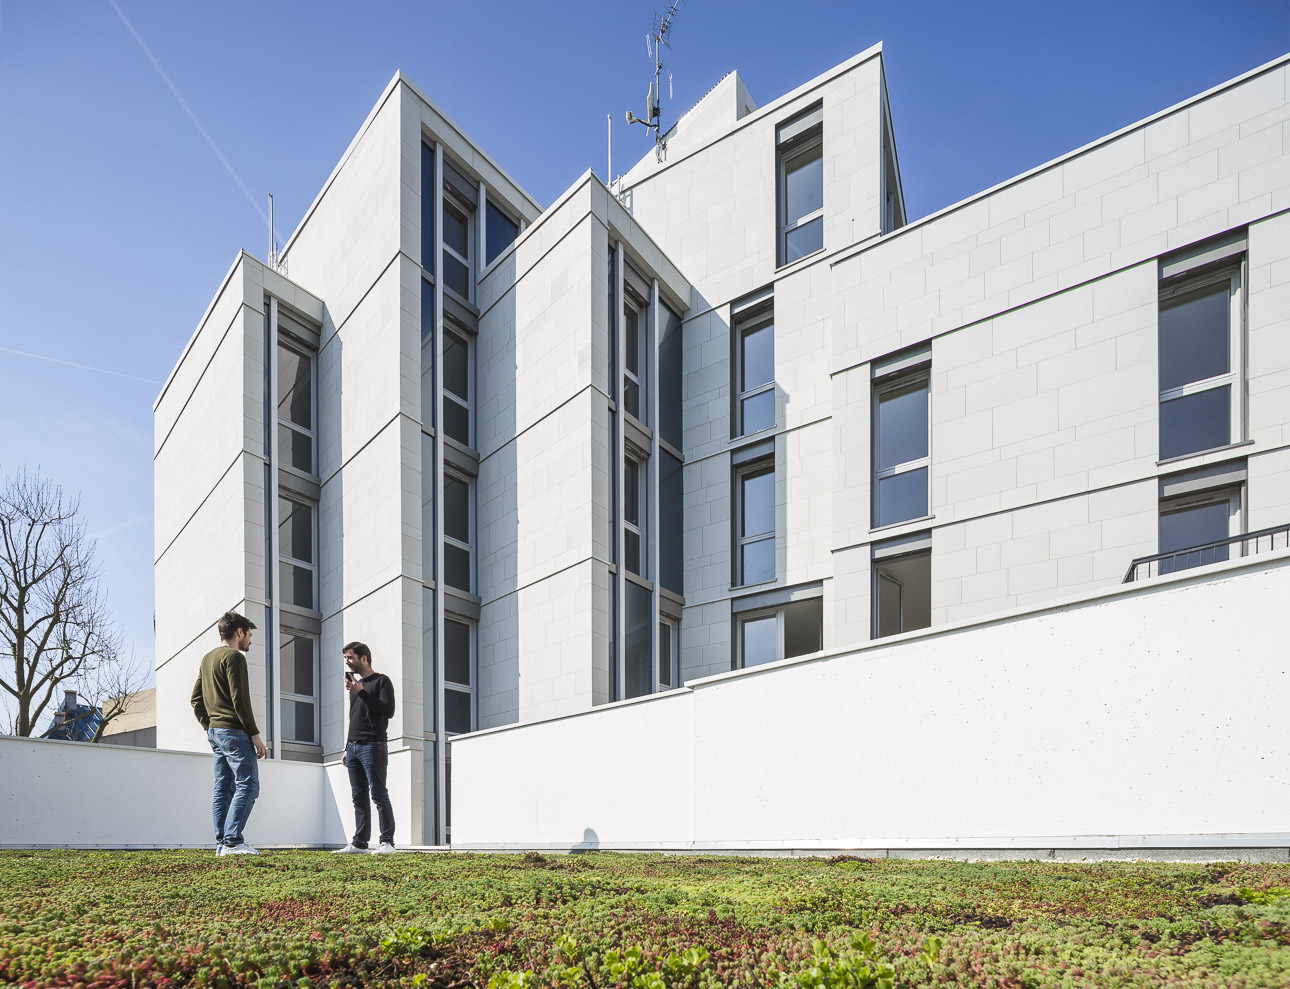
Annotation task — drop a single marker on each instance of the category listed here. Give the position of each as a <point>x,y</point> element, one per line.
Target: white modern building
<point>738,410</point>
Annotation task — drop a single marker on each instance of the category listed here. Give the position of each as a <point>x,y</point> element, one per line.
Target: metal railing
<point>1216,552</point>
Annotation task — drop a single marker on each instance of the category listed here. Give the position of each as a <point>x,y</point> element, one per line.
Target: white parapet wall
<point>1150,717</point>
<point>76,795</point>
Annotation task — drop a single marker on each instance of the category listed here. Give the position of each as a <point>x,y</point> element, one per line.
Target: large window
<point>1199,333</point>
<point>801,186</point>
<point>457,528</point>
<point>900,440</point>
<point>458,375</point>
<point>296,408</point>
<point>298,677</point>
<point>500,231</point>
<point>297,559</point>
<point>755,522</point>
<point>754,369</point>
<point>786,632</point>
<point>458,675</point>
<point>458,244</point>
<point>902,585</point>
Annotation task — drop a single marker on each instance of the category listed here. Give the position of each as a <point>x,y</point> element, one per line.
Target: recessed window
<point>500,231</point>
<point>1194,530</point>
<point>297,560</point>
<point>458,244</point>
<point>1199,334</point>
<point>296,408</point>
<point>638,646</point>
<point>298,680</point>
<point>670,382</point>
<point>458,675</point>
<point>668,654</point>
<point>634,514</point>
<point>755,522</point>
<point>671,523</point>
<point>635,362</point>
<point>900,443</point>
<point>457,542</point>
<point>427,207</point>
<point>754,370</point>
<point>457,375</point>
<point>801,186</point>
<point>902,585</point>
<point>786,632</point>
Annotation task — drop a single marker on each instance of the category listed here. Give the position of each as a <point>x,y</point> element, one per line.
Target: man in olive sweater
<point>371,706</point>
<point>222,702</point>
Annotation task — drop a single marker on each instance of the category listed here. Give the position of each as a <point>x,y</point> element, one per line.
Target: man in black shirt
<point>371,705</point>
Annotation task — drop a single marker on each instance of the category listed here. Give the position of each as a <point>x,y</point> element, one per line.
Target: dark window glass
<point>760,640</point>
<point>803,628</point>
<point>631,346</point>
<point>427,207</point>
<point>295,531</point>
<point>757,500</point>
<point>1195,337</point>
<point>429,684</point>
<point>427,510</point>
<point>297,585</point>
<point>427,353</point>
<point>297,664</point>
<point>632,398</point>
<point>456,652</point>
<point>889,606</point>
<point>456,276</point>
<point>295,449</point>
<point>671,521</point>
<point>456,229</point>
<point>903,586</point>
<point>669,378</point>
<point>759,412</point>
<point>631,492</point>
<point>295,388</point>
<point>456,567</point>
<point>758,363</point>
<point>632,552</point>
<point>456,365</point>
<point>1194,526</point>
<point>902,426</point>
<point>902,497</point>
<point>757,561</point>
<point>639,653</point>
<point>612,344</point>
<point>456,508</point>
<point>804,240</point>
<point>803,184</point>
<point>1200,421</point>
<point>500,231</point>
<point>456,710</point>
<point>298,721</point>
<point>456,421</point>
<point>665,654</point>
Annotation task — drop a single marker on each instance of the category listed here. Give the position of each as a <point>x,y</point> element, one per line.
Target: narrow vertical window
<point>296,554</point>
<point>755,522</point>
<point>902,583</point>
<point>296,408</point>
<point>754,369</point>
<point>427,208</point>
<point>298,677</point>
<point>1199,339</point>
<point>459,246</point>
<point>638,646</point>
<point>634,514</point>
<point>457,542</point>
<point>801,186</point>
<point>667,654</point>
<point>500,231</point>
<point>458,675</point>
<point>458,373</point>
<point>900,441</point>
<point>635,335</point>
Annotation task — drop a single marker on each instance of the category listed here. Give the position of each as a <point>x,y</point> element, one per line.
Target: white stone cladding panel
<point>352,233</point>
<point>708,535</point>
<point>804,531</point>
<point>363,511</point>
<point>705,640</point>
<point>707,375</point>
<point>1268,331</point>
<point>1193,173</point>
<point>1268,492</point>
<point>852,467</point>
<point>803,317</point>
<point>848,597</point>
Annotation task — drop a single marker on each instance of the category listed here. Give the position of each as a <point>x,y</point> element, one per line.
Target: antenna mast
<point>655,42</point>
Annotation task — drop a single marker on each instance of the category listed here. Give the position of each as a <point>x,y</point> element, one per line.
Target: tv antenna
<point>655,41</point>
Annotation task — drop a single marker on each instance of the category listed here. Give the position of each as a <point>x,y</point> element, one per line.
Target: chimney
<point>69,700</point>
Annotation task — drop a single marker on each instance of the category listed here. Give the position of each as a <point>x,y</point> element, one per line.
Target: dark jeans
<point>237,783</point>
<point>366,761</point>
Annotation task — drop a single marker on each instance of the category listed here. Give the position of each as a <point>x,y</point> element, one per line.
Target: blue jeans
<point>366,762</point>
<point>237,783</point>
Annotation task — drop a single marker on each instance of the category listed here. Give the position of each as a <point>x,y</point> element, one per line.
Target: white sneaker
<point>243,849</point>
<point>384,848</point>
<point>350,849</point>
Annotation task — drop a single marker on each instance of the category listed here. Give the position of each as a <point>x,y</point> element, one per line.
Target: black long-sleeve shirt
<point>371,709</point>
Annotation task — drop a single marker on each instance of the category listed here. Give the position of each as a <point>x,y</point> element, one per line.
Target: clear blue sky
<point>118,220</point>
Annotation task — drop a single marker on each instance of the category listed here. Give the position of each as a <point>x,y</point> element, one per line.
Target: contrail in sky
<point>191,115</point>
<point>83,367</point>
<point>114,529</point>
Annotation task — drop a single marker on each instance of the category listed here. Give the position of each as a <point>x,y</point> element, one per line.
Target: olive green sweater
<point>222,693</point>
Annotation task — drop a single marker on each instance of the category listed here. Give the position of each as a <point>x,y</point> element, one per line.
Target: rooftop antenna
<point>655,42</point>
<point>275,262</point>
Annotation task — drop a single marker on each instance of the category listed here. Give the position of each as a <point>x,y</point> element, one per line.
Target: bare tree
<point>55,630</point>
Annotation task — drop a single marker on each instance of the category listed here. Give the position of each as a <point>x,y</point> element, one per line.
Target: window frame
<point>452,200</point>
<point>917,377</point>
<point>738,660</point>
<point>468,547</point>
<point>1231,495</point>
<point>636,317</point>
<point>311,357</point>
<point>463,335</point>
<point>470,689</point>
<point>1229,271</point>
<point>285,632</point>
<point>669,631</point>
<point>805,136</point>
<point>747,471</point>
<point>756,320</point>
<point>639,528</point>
<point>283,558</point>
<point>919,547</point>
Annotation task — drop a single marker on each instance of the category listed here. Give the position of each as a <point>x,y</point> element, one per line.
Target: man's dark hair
<point>359,650</point>
<point>231,623</point>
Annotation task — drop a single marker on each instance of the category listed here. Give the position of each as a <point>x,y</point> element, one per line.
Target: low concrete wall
<point>78,795</point>
<point>1150,716</point>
